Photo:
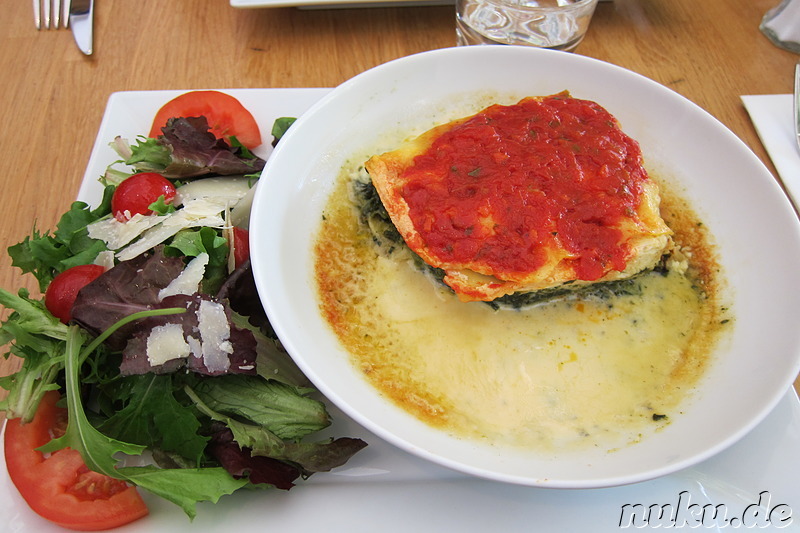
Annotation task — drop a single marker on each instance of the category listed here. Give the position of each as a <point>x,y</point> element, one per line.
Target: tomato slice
<point>225,114</point>
<point>241,246</point>
<point>59,487</point>
<point>63,290</point>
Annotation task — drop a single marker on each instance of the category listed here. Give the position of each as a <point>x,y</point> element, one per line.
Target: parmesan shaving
<point>231,238</point>
<point>196,214</point>
<point>227,189</point>
<point>105,259</point>
<point>188,281</point>
<point>117,234</point>
<point>214,336</point>
<point>240,213</point>
<point>166,343</point>
<point>143,232</point>
<point>195,346</point>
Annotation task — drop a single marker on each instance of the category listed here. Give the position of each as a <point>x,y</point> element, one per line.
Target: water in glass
<point>558,24</point>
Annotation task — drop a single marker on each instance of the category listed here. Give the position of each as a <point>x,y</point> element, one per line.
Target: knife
<point>81,13</point>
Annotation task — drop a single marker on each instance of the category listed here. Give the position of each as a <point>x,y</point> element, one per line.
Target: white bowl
<point>751,220</point>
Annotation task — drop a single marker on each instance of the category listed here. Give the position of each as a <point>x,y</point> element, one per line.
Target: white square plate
<point>387,490</point>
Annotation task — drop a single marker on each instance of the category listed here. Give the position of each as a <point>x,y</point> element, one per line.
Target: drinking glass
<point>557,24</point>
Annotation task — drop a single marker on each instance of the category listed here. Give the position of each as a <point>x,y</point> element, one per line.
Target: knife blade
<point>81,14</point>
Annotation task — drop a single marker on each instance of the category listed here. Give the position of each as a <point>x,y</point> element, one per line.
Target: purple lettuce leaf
<point>240,463</point>
<point>295,459</point>
<point>134,355</point>
<point>239,289</point>
<point>196,151</point>
<point>133,286</point>
<point>127,288</point>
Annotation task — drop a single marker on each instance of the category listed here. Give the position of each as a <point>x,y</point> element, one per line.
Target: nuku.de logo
<point>684,513</point>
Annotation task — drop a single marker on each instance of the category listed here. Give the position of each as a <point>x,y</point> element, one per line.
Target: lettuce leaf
<point>264,421</point>
<point>285,411</point>
<point>257,407</point>
<point>191,243</point>
<point>280,127</point>
<point>242,464</point>
<point>185,487</point>
<point>97,450</point>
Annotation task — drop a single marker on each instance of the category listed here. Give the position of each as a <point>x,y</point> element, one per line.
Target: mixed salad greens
<point>162,354</point>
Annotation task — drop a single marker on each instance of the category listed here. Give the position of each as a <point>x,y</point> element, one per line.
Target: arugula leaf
<point>149,155</point>
<point>45,255</point>
<point>151,416</point>
<point>161,207</point>
<point>96,449</point>
<point>184,487</point>
<point>38,338</point>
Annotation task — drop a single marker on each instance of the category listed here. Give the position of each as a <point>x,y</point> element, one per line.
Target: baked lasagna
<point>546,193</point>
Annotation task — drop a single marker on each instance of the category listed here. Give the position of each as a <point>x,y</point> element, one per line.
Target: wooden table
<point>53,97</point>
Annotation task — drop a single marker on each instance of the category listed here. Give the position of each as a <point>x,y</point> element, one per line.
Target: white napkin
<point>772,116</point>
<point>781,25</point>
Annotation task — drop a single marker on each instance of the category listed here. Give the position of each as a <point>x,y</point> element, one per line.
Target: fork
<point>50,14</point>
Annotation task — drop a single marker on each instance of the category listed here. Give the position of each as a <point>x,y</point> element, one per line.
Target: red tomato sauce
<point>514,181</point>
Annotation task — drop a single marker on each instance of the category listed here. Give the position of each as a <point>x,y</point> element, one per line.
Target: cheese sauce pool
<point>566,374</point>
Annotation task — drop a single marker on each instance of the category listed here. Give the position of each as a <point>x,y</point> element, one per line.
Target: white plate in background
<point>311,4</point>
<point>318,4</point>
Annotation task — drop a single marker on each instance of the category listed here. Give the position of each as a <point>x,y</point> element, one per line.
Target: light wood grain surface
<point>53,97</point>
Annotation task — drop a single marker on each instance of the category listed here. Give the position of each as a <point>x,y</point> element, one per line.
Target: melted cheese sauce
<point>569,373</point>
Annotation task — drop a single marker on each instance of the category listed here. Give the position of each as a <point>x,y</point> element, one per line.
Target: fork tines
<point>51,14</point>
